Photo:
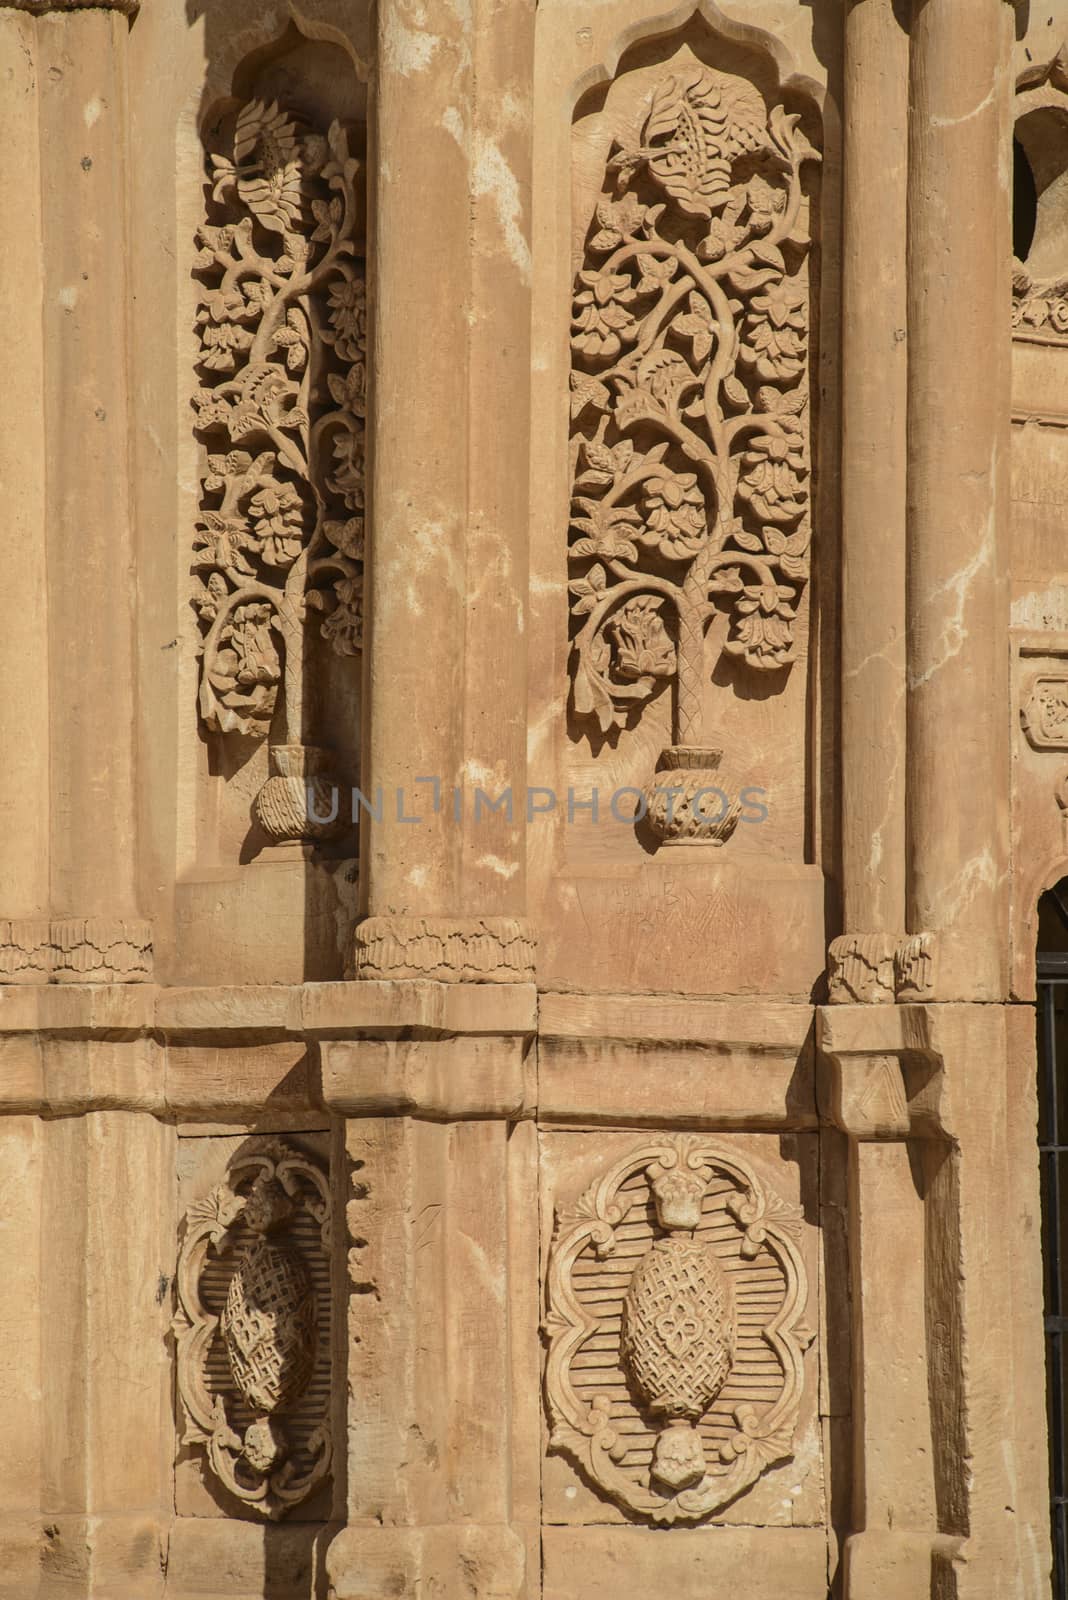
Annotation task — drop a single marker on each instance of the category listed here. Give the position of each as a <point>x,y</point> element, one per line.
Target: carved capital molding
<point>880,968</point>
<point>75,950</point>
<point>252,1327</point>
<point>675,1297</point>
<point>449,949</point>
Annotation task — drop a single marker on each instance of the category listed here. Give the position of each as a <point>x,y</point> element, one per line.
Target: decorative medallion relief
<point>281,412</point>
<point>691,439</point>
<point>253,1328</point>
<point>1044,714</point>
<point>676,1292</point>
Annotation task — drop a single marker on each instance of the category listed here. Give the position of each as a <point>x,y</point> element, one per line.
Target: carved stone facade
<point>535,654</point>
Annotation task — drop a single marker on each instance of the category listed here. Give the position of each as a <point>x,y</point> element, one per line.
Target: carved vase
<point>300,800</point>
<point>687,802</point>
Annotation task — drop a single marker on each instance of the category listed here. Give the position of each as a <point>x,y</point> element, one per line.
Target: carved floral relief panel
<point>679,1304</point>
<point>691,518</point>
<point>280,412</point>
<point>252,1326</point>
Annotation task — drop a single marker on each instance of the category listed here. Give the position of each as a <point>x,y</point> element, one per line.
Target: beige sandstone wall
<point>500,1203</point>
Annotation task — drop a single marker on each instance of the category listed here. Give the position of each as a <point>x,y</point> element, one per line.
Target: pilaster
<point>447,653</point>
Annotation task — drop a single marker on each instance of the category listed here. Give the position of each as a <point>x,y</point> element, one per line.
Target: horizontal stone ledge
<point>449,1079</point>
<point>720,1087</point>
<point>255,1011</point>
<point>738,1023</point>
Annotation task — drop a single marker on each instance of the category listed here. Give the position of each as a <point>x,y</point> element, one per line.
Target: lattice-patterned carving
<point>266,1431</point>
<point>690,398</point>
<point>676,1292</point>
<point>282,324</point>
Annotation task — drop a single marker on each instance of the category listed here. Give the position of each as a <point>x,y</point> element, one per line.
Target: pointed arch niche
<point>272,230</point>
<point>684,530</point>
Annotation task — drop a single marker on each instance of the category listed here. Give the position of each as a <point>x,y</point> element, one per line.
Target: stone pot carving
<point>687,801</point>
<point>266,1434</point>
<point>689,1297</point>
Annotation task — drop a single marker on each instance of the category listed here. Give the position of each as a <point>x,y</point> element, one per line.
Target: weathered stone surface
<point>534,638</point>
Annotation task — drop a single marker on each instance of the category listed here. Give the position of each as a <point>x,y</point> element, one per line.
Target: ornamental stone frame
<point>527,1202</point>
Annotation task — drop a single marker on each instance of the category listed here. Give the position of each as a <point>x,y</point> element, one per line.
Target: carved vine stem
<point>710,378</point>
<point>282,324</point>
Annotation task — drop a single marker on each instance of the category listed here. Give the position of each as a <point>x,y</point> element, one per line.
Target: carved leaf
<point>698,122</point>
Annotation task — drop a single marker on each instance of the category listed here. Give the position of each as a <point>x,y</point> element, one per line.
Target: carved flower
<point>601,319</point>
<point>776,345</point>
<point>221,343</point>
<point>350,392</point>
<point>619,220</point>
<point>211,411</point>
<point>783,304</point>
<point>343,628</point>
<point>292,337</point>
<point>774,466</point>
<point>698,325</point>
<point>348,318</point>
<point>347,479</point>
<point>328,215</point>
<point>764,630</point>
<point>609,530</point>
<point>643,649</point>
<point>674,514</point>
<point>765,202</point>
<point>221,542</point>
<point>248,658</point>
<point>347,537</point>
<point>278,513</point>
<point>722,237</point>
<point>225,305</point>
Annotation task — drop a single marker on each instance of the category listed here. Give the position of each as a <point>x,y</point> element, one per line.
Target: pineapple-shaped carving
<point>679,1326</point>
<point>269,1324</point>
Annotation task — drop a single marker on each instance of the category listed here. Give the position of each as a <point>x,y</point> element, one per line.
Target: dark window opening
<point>1053,1153</point>
<point>1024,202</point>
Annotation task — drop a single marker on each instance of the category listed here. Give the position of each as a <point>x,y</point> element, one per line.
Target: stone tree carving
<point>676,1266</point>
<point>282,326</point>
<point>691,431</point>
<point>252,1328</point>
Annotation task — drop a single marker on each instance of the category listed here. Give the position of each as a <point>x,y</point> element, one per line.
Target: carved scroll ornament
<point>674,1280</point>
<point>282,325</point>
<point>689,397</point>
<point>252,1330</point>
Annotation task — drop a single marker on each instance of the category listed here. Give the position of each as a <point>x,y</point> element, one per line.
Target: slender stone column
<point>874,396</point>
<point>959,350</point>
<point>447,655</point>
<point>68,794</point>
<point>23,610</point>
